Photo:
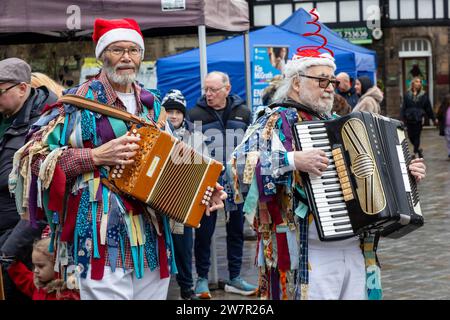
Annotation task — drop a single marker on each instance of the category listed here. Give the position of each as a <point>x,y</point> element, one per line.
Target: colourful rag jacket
<point>275,200</point>
<point>54,177</point>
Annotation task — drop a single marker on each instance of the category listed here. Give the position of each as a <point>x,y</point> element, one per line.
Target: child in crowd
<point>42,283</point>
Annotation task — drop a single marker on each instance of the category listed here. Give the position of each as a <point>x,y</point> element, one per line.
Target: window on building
<point>407,9</point>
<point>262,15</point>
<point>393,9</point>
<point>282,12</point>
<point>305,5</point>
<point>349,11</point>
<point>327,11</point>
<point>425,9</point>
<point>439,9</point>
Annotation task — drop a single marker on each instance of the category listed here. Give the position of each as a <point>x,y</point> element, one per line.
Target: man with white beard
<point>293,262</point>
<point>117,252</point>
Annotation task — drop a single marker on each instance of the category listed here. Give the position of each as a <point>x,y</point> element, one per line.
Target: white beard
<point>321,106</point>
<point>124,79</point>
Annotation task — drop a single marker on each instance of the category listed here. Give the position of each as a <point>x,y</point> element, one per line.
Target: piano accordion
<point>168,175</point>
<point>366,187</point>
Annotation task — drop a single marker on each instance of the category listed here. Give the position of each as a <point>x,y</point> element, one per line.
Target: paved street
<point>416,266</point>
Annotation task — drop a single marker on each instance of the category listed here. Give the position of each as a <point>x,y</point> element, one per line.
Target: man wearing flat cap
<point>116,252</point>
<point>20,107</point>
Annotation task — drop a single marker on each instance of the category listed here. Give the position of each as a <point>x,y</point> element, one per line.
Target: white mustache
<point>125,66</point>
<point>327,95</point>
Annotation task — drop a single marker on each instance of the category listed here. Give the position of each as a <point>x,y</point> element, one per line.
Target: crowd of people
<point>76,231</point>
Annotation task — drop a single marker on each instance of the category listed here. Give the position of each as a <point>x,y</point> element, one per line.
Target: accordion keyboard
<point>327,194</point>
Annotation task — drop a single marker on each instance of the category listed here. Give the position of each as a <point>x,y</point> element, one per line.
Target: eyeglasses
<point>121,51</point>
<point>213,90</point>
<point>323,82</point>
<point>2,91</point>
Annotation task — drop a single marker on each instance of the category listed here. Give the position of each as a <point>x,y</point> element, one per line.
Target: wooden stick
<point>2,290</point>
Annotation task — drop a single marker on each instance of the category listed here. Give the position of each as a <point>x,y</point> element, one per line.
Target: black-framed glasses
<point>323,82</point>
<point>2,91</point>
<point>117,51</point>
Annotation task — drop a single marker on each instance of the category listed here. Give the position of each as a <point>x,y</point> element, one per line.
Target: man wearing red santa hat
<point>103,235</point>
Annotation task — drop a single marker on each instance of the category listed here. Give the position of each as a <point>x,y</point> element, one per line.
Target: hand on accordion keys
<point>418,169</point>
<point>119,151</point>
<point>312,161</point>
<point>217,199</point>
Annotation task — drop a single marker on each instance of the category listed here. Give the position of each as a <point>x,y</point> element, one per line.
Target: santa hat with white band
<point>109,31</point>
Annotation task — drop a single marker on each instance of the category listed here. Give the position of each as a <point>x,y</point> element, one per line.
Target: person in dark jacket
<point>346,89</point>
<point>224,118</point>
<point>20,107</point>
<point>443,116</point>
<point>415,105</point>
<point>175,105</point>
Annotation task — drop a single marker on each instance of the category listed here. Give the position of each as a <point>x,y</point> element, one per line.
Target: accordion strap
<point>102,108</point>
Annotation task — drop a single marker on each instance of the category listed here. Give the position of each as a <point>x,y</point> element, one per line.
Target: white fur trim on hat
<point>119,34</point>
<point>302,63</point>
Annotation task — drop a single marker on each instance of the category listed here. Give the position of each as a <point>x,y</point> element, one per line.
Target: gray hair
<point>222,75</point>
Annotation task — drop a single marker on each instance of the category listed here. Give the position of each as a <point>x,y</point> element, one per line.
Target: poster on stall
<point>268,61</point>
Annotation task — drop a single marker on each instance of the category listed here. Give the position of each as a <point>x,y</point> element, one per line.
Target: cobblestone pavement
<point>416,266</point>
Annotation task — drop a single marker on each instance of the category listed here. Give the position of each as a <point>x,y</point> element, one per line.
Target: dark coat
<point>350,96</point>
<point>441,116</point>
<point>414,108</point>
<point>237,116</point>
<point>12,140</point>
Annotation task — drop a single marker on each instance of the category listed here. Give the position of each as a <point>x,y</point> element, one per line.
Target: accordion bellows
<point>168,175</point>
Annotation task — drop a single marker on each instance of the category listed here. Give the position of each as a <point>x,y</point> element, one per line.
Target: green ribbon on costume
<point>54,138</point>
<point>301,210</point>
<point>119,127</point>
<point>251,200</point>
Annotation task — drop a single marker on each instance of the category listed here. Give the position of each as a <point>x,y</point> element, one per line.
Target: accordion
<point>367,186</point>
<point>168,175</point>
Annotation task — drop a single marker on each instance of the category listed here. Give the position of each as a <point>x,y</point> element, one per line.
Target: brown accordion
<point>168,175</point>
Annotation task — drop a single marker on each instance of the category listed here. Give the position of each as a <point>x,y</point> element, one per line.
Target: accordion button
<point>115,171</point>
<point>134,130</point>
<point>122,166</point>
<point>203,202</point>
<point>113,175</point>
<point>120,170</point>
<point>119,175</point>
<point>117,166</point>
<point>205,197</point>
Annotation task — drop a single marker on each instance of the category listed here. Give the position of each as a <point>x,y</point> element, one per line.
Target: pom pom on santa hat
<point>109,31</point>
<point>308,57</point>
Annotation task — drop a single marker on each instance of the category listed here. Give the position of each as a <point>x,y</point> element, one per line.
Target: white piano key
<point>335,228</point>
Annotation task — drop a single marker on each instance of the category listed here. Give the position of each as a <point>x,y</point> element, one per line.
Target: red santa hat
<point>109,31</point>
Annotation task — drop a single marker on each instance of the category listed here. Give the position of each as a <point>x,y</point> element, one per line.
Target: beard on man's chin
<point>121,79</point>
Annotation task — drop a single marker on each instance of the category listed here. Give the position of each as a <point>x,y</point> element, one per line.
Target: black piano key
<point>340,223</point>
<point>335,201</point>
<point>339,215</point>
<point>329,182</point>
<point>338,209</point>
<point>329,177</point>
<point>318,132</point>
<point>317,138</point>
<point>330,169</point>
<point>315,126</point>
<point>334,196</point>
<point>318,145</point>
<point>333,190</point>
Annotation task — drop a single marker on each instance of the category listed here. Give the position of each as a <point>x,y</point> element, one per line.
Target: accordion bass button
<point>113,175</point>
<point>203,202</point>
<point>134,131</point>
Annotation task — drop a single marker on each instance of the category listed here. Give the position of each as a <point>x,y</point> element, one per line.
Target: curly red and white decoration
<point>313,51</point>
